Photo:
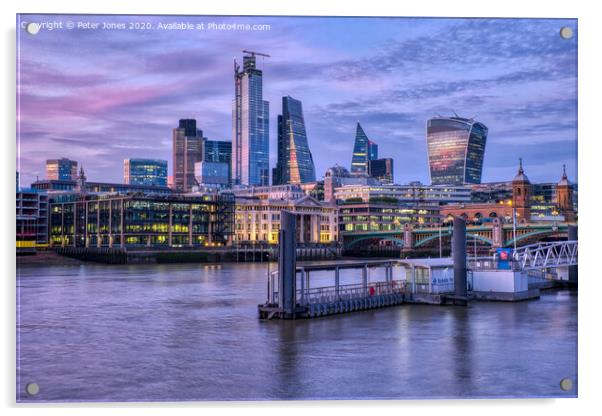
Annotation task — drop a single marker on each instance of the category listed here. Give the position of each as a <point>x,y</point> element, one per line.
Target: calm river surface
<point>190,332</point>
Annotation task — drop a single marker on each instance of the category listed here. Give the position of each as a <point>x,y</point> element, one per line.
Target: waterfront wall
<point>229,254</point>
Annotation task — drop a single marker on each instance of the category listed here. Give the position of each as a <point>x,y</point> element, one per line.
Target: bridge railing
<point>548,255</point>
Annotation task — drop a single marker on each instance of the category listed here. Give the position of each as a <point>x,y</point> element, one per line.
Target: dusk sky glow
<point>99,96</point>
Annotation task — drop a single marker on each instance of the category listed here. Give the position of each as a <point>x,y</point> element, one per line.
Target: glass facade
<point>381,169</point>
<point>131,221</point>
<point>456,148</point>
<point>61,169</point>
<point>148,172</point>
<point>216,151</point>
<point>295,163</point>
<point>250,126</point>
<point>363,150</point>
<point>212,173</point>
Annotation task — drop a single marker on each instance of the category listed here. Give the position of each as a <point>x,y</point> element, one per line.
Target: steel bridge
<point>547,255</point>
<point>494,235</point>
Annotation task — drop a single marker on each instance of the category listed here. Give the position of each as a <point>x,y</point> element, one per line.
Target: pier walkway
<point>422,281</point>
<point>291,294</point>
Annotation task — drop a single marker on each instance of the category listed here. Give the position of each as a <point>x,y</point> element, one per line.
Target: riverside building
<point>257,219</point>
<point>135,220</point>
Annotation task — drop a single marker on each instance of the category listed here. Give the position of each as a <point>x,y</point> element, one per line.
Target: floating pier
<point>440,281</point>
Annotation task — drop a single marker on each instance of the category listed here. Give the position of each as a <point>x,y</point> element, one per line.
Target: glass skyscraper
<point>217,151</point>
<point>62,169</point>
<point>149,172</point>
<point>250,126</point>
<point>364,150</point>
<point>295,163</point>
<point>381,169</point>
<point>456,148</point>
<point>187,150</point>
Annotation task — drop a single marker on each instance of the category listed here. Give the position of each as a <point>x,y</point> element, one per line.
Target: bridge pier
<point>459,256</point>
<point>287,281</point>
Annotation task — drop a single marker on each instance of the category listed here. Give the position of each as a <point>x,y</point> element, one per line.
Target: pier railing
<point>345,292</point>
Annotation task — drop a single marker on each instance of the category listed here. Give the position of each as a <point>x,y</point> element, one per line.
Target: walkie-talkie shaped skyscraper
<point>456,148</point>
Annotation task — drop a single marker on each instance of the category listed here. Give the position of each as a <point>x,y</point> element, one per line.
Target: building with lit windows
<point>412,193</point>
<point>290,192</point>
<point>149,172</point>
<point>338,176</point>
<point>32,220</point>
<point>258,220</point>
<point>62,169</point>
<point>250,126</point>
<point>52,186</point>
<point>531,202</point>
<point>295,164</point>
<point>364,150</point>
<point>129,221</point>
<point>187,150</point>
<point>384,216</point>
<point>456,148</point>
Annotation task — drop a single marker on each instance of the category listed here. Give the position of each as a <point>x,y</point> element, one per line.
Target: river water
<point>191,332</point>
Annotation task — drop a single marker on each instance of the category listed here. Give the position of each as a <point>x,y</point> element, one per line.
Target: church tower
<point>80,182</point>
<point>564,197</point>
<point>521,194</point>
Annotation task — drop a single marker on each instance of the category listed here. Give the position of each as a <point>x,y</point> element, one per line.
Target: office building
<point>258,219</point>
<point>148,172</point>
<point>337,176</point>
<point>408,194</point>
<point>364,150</point>
<point>289,192</point>
<point>218,151</point>
<point>129,221</point>
<point>52,187</point>
<point>383,216</point>
<point>456,148</point>
<point>62,169</point>
<point>212,173</point>
<point>187,150</point>
<point>250,126</point>
<point>295,164</point>
<point>32,220</point>
<point>381,169</point>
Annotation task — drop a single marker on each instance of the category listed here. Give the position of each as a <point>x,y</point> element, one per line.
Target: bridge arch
<point>397,240</point>
<point>533,233</point>
<point>431,238</point>
<point>448,234</point>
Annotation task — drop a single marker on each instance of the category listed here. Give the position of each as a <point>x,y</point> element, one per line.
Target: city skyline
<point>76,106</point>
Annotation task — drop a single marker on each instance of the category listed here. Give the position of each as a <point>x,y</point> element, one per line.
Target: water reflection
<point>189,332</point>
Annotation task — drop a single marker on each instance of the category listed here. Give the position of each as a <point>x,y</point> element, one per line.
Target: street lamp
<point>555,225</point>
<point>514,228</point>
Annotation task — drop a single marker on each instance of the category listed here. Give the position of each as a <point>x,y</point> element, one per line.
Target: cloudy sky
<point>99,96</point>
